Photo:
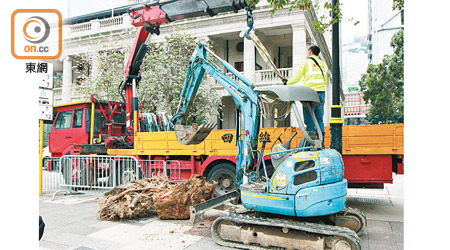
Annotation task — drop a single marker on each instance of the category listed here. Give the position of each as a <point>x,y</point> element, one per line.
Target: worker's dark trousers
<point>318,111</point>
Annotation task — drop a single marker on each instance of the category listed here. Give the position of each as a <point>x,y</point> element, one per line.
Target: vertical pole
<point>41,145</point>
<point>92,122</point>
<point>112,8</point>
<point>165,168</point>
<point>336,119</point>
<point>135,108</point>
<point>135,123</point>
<point>275,115</point>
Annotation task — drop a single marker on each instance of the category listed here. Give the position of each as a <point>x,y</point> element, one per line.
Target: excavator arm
<point>244,97</point>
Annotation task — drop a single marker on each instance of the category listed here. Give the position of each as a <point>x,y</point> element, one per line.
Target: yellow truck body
<point>386,139</point>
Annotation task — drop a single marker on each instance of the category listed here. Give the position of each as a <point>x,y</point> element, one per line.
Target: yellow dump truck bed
<point>356,140</point>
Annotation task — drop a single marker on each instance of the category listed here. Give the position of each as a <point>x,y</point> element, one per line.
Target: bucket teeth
<point>194,134</point>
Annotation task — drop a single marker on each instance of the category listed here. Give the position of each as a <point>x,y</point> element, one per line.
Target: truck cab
<point>72,124</point>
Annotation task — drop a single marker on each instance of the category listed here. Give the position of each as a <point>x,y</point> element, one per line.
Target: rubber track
<point>356,212</point>
<point>313,228</point>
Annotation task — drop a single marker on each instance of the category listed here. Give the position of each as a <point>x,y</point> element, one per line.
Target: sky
<point>358,10</point>
<point>81,7</point>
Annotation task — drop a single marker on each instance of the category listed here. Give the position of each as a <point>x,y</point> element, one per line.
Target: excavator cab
<point>290,94</point>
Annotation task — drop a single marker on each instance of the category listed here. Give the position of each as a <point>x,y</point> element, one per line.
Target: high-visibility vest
<point>310,75</point>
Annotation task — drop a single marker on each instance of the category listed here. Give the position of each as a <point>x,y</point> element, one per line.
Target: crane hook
<point>250,19</point>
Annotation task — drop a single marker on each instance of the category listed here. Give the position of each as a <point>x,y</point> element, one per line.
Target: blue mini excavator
<point>301,202</point>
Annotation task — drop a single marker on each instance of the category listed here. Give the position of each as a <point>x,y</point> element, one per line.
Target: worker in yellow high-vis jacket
<point>312,73</point>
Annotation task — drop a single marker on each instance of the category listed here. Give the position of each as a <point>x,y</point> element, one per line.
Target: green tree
<point>163,73</point>
<point>382,86</point>
<point>103,82</point>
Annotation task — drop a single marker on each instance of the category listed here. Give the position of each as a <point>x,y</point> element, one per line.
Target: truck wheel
<point>225,175</point>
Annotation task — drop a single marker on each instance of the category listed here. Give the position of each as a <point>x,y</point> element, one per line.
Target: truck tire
<point>225,175</point>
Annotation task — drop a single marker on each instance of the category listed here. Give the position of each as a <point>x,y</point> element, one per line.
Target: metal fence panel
<point>171,169</point>
<point>98,172</point>
<point>51,174</point>
<point>103,172</point>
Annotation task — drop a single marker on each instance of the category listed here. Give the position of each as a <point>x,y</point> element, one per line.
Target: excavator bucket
<point>194,134</point>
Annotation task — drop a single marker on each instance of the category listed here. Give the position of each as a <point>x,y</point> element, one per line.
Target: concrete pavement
<point>71,223</point>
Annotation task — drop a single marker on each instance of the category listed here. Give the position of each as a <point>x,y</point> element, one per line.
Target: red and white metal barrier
<point>103,172</point>
<point>170,169</point>
<point>51,174</point>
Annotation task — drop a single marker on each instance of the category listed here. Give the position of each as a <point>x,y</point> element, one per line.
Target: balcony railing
<point>57,97</point>
<point>96,27</point>
<point>111,21</point>
<point>262,78</point>
<point>80,27</point>
<point>268,76</point>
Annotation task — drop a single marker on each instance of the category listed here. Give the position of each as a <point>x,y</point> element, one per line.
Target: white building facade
<point>383,24</point>
<point>286,35</point>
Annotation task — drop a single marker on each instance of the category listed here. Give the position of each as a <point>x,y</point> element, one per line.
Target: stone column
<point>67,80</point>
<point>249,59</point>
<point>203,38</point>
<point>298,54</point>
<point>95,26</point>
<point>298,45</point>
<point>95,65</point>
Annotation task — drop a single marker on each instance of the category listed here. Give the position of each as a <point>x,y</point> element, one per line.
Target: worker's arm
<point>298,75</point>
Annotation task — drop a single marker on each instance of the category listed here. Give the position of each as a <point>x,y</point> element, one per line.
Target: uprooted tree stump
<point>141,198</point>
<point>132,200</point>
<point>174,203</point>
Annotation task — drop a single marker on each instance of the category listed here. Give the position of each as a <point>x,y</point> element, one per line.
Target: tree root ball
<point>175,203</point>
<point>141,198</point>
